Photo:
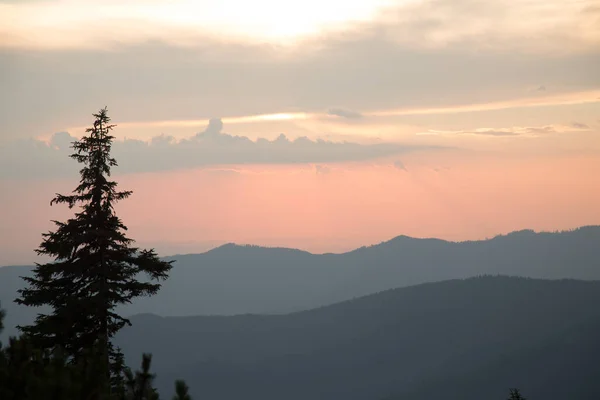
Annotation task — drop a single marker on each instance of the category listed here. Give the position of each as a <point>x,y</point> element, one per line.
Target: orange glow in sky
<point>335,207</point>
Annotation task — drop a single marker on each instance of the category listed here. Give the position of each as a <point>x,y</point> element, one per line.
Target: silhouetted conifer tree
<point>515,394</point>
<point>3,366</point>
<point>181,391</point>
<point>95,267</point>
<point>139,386</point>
<point>2,314</point>
<point>29,373</point>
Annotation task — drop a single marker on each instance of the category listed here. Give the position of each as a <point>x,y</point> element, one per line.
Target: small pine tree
<point>515,394</point>
<point>139,386</point>
<point>95,267</point>
<point>2,315</point>
<point>30,373</point>
<point>3,364</point>
<point>181,391</point>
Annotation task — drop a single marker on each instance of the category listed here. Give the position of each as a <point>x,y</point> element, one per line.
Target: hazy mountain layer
<point>248,279</point>
<point>459,339</point>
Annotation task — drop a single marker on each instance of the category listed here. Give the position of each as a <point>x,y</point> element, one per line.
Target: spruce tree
<point>515,394</point>
<point>3,364</point>
<point>95,267</point>
<point>181,391</point>
<point>139,386</point>
<point>2,314</point>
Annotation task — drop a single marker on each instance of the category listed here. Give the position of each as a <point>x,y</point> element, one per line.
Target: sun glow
<point>179,20</point>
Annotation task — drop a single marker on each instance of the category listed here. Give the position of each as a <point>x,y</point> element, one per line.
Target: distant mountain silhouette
<point>234,279</point>
<point>459,339</point>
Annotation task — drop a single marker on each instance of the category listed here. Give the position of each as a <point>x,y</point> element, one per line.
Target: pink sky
<point>509,89</point>
<point>345,205</point>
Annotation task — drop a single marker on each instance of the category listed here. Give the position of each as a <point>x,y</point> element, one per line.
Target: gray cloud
<point>61,141</point>
<point>540,88</point>
<point>483,25</point>
<point>212,147</point>
<point>516,131</point>
<point>506,132</point>
<point>214,128</point>
<point>537,130</point>
<point>399,165</point>
<point>364,70</point>
<point>579,125</point>
<point>340,112</point>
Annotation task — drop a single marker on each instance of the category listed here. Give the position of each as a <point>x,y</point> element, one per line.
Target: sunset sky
<point>323,125</point>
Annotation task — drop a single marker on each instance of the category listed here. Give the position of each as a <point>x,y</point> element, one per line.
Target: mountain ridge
<point>389,344</point>
<point>395,239</point>
<point>235,279</point>
<point>234,245</point>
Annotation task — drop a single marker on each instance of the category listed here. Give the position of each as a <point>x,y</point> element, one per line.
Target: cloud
<point>214,128</point>
<point>536,25</point>
<point>579,125</point>
<point>540,88</point>
<point>322,169</point>
<point>368,73</point>
<point>385,64</point>
<point>61,141</point>
<point>515,131</point>
<point>490,132</point>
<point>209,148</point>
<point>574,98</point>
<point>537,130</point>
<point>339,112</point>
<point>162,141</point>
<point>399,165</point>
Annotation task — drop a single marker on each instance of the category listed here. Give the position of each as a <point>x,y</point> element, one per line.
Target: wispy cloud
<point>541,88</point>
<point>579,125</point>
<point>420,57</point>
<point>399,165</point>
<point>211,147</point>
<point>348,114</point>
<point>591,96</point>
<point>586,97</point>
<point>515,131</point>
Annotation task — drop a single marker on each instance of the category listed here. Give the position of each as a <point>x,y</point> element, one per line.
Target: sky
<point>322,125</point>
